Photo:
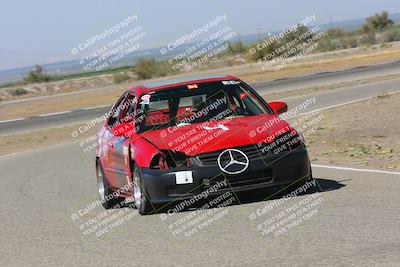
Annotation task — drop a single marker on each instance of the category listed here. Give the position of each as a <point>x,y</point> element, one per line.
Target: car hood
<point>207,137</point>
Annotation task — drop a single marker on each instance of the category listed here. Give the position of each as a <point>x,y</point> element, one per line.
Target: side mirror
<point>123,129</point>
<point>278,107</point>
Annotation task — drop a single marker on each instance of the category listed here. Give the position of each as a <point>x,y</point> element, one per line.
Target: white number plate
<point>184,177</point>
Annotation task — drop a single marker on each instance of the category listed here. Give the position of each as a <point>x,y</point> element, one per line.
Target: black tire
<point>105,191</point>
<point>141,200</point>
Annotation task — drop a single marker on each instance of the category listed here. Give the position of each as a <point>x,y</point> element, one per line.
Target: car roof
<point>166,84</point>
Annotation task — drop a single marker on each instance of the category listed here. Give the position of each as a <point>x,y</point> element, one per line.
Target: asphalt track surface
<point>353,219</point>
<point>352,93</point>
<point>356,222</point>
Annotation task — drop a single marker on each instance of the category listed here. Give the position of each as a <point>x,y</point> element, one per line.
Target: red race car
<point>168,141</point>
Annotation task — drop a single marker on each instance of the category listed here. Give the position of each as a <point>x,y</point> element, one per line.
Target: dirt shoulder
<point>46,137</point>
<point>360,134</point>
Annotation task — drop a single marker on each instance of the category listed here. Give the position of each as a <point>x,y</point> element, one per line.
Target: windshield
<point>197,103</point>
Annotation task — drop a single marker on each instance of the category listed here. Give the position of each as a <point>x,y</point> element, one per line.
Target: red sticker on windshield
<point>192,86</point>
<point>145,97</point>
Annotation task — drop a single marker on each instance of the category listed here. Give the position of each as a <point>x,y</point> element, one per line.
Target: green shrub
<point>385,45</point>
<point>37,75</point>
<point>267,51</point>
<point>236,48</point>
<point>368,39</point>
<point>326,44</point>
<point>120,77</point>
<point>350,42</point>
<point>163,69</point>
<point>145,68</point>
<point>391,36</point>
<point>380,21</point>
<point>18,92</point>
<point>336,33</point>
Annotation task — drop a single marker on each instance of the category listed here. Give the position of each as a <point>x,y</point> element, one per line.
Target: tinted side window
<point>115,112</point>
<point>128,109</point>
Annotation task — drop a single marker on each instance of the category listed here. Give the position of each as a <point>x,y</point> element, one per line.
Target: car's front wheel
<point>142,201</point>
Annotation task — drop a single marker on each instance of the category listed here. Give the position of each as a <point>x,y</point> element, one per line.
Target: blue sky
<point>44,31</point>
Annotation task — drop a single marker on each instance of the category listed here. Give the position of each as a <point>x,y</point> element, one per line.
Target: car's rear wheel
<point>105,191</point>
<point>141,200</point>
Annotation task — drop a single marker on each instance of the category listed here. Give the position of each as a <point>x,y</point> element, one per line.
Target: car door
<point>119,152</point>
<point>109,143</point>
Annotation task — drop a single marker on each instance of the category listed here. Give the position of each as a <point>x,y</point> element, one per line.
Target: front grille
<point>211,158</point>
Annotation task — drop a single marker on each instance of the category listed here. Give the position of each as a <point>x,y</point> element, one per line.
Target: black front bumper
<point>268,171</point>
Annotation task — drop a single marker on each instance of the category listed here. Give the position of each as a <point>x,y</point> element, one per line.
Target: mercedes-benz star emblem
<point>233,161</point>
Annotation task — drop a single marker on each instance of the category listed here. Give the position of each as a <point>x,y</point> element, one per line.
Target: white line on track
<point>19,119</point>
<point>342,104</point>
<point>353,169</point>
<point>54,113</point>
<point>96,107</point>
